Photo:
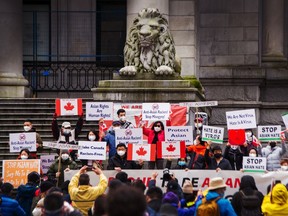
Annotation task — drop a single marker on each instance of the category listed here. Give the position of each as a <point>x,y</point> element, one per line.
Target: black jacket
<point>212,164</point>
<point>235,157</point>
<point>123,163</point>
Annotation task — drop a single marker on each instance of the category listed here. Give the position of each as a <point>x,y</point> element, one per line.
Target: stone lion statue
<point>150,47</point>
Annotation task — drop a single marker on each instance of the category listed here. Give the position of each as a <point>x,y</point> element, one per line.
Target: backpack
<point>250,204</point>
<point>208,208</point>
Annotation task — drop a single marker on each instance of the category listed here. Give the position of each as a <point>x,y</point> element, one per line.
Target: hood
<point>26,190</point>
<point>279,194</point>
<point>247,182</point>
<point>212,195</point>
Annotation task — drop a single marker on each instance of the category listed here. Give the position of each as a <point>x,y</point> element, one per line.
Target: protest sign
<point>285,119</point>
<point>98,110</point>
<point>145,152</point>
<point>254,164</point>
<point>179,133</point>
<point>92,150</point>
<point>269,133</point>
<point>46,161</point>
<point>133,136</point>
<point>18,141</point>
<point>16,171</point>
<point>171,150</point>
<point>68,107</point>
<point>57,145</point>
<point>200,104</point>
<point>215,134</point>
<point>155,111</point>
<point>241,119</point>
<point>236,137</point>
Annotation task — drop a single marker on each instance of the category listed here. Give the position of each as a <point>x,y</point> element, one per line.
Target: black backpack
<point>250,204</point>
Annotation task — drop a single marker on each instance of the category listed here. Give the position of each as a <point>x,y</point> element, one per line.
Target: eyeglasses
<point>157,126</point>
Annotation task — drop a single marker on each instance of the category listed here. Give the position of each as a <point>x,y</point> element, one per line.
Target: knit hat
<point>45,186</point>
<point>171,198</point>
<point>216,183</point>
<point>168,210</point>
<point>187,187</point>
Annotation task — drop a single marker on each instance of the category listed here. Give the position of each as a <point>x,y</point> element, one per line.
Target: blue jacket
<point>225,206</point>
<point>186,211</point>
<point>25,196</point>
<point>10,207</point>
<point>110,139</point>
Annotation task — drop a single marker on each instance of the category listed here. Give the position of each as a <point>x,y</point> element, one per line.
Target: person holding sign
<point>284,165</point>
<point>234,155</point>
<point>196,153</point>
<point>121,113</point>
<point>110,138</point>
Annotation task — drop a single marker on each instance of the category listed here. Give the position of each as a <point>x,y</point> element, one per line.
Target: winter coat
<point>177,166</point>
<point>10,207</point>
<point>117,161</point>
<point>151,134</point>
<point>212,163</point>
<point>25,194</point>
<point>279,206</point>
<point>110,139</point>
<point>83,196</point>
<point>225,206</point>
<point>274,156</point>
<point>235,157</point>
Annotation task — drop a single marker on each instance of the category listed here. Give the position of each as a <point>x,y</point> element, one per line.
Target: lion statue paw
<point>128,71</point>
<point>164,70</point>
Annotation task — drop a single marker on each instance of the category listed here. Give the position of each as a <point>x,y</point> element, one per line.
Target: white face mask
<point>24,157</point>
<point>121,152</point>
<point>122,118</point>
<point>199,125</point>
<point>66,131</point>
<point>157,129</point>
<point>64,156</point>
<point>92,137</point>
<point>285,168</point>
<point>234,147</point>
<point>27,128</point>
<point>252,155</point>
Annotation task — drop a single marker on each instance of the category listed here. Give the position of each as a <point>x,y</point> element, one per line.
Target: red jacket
<point>151,133</point>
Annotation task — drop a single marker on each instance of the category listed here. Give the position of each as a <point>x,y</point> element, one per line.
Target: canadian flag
<point>68,107</point>
<point>145,152</point>
<point>171,149</point>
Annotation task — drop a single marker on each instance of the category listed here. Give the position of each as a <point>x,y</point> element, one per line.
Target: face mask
<point>64,156</point>
<point>218,155</point>
<point>234,147</point>
<point>199,125</point>
<point>272,145</point>
<point>121,153</point>
<point>122,118</point>
<point>157,129</point>
<point>252,155</point>
<point>27,128</point>
<point>66,131</point>
<point>181,163</point>
<point>285,168</point>
<point>24,157</point>
<point>92,137</point>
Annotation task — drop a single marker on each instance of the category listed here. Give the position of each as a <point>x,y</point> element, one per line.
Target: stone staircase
<point>13,113</point>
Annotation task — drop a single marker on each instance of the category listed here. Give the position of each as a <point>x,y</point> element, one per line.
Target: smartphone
<point>90,168</point>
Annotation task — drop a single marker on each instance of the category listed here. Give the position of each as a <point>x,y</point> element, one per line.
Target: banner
<point>68,107</point>
<point>18,141</point>
<point>200,178</point>
<point>46,161</point>
<point>200,104</point>
<point>285,119</point>
<point>98,110</point>
<point>254,164</point>
<point>145,152</point>
<point>179,133</point>
<point>171,150</point>
<point>92,150</point>
<point>57,145</point>
<point>155,111</point>
<point>269,133</point>
<point>215,134</point>
<point>133,136</point>
<point>16,171</point>
<point>241,119</point>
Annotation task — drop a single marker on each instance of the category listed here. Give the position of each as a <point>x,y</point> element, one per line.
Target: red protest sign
<point>236,137</point>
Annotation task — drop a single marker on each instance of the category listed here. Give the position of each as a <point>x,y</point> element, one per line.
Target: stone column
<point>134,6</point>
<point>273,30</point>
<point>12,82</point>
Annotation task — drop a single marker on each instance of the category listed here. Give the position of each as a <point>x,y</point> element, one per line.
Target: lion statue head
<point>149,46</point>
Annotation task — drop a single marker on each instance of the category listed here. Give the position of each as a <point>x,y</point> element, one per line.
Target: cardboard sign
<point>57,145</point>
<point>241,119</point>
<point>200,104</point>
<point>254,164</point>
<point>155,111</point>
<point>98,110</point>
<point>285,119</point>
<point>133,136</point>
<point>16,171</point>
<point>179,133</point>
<point>68,107</point>
<point>269,133</point>
<point>92,150</point>
<point>145,152</point>
<point>171,150</point>
<point>215,134</point>
<point>236,137</point>
<point>46,161</point>
<point>18,141</point>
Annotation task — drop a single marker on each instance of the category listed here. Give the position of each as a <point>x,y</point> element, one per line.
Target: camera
<point>167,174</point>
<point>90,168</point>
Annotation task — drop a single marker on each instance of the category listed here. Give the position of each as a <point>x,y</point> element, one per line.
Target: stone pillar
<point>273,30</point>
<point>12,82</point>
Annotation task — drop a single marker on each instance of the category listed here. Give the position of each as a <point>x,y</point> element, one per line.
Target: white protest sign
<point>57,145</point>
<point>18,141</point>
<point>179,133</point>
<point>155,111</point>
<point>215,134</point>
<point>254,164</point>
<point>97,110</point>
<point>285,119</point>
<point>171,150</point>
<point>199,104</point>
<point>241,119</point>
<point>92,150</point>
<point>46,161</point>
<point>133,136</point>
<point>269,133</point>
<point>68,107</point>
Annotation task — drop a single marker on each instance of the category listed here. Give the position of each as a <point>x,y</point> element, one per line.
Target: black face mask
<point>272,144</point>
<point>218,155</point>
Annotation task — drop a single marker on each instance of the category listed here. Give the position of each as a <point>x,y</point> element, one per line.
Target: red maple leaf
<point>68,106</point>
<point>170,148</point>
<point>141,151</point>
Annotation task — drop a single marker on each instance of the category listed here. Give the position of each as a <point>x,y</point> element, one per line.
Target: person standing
<point>121,113</point>
<point>110,138</point>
